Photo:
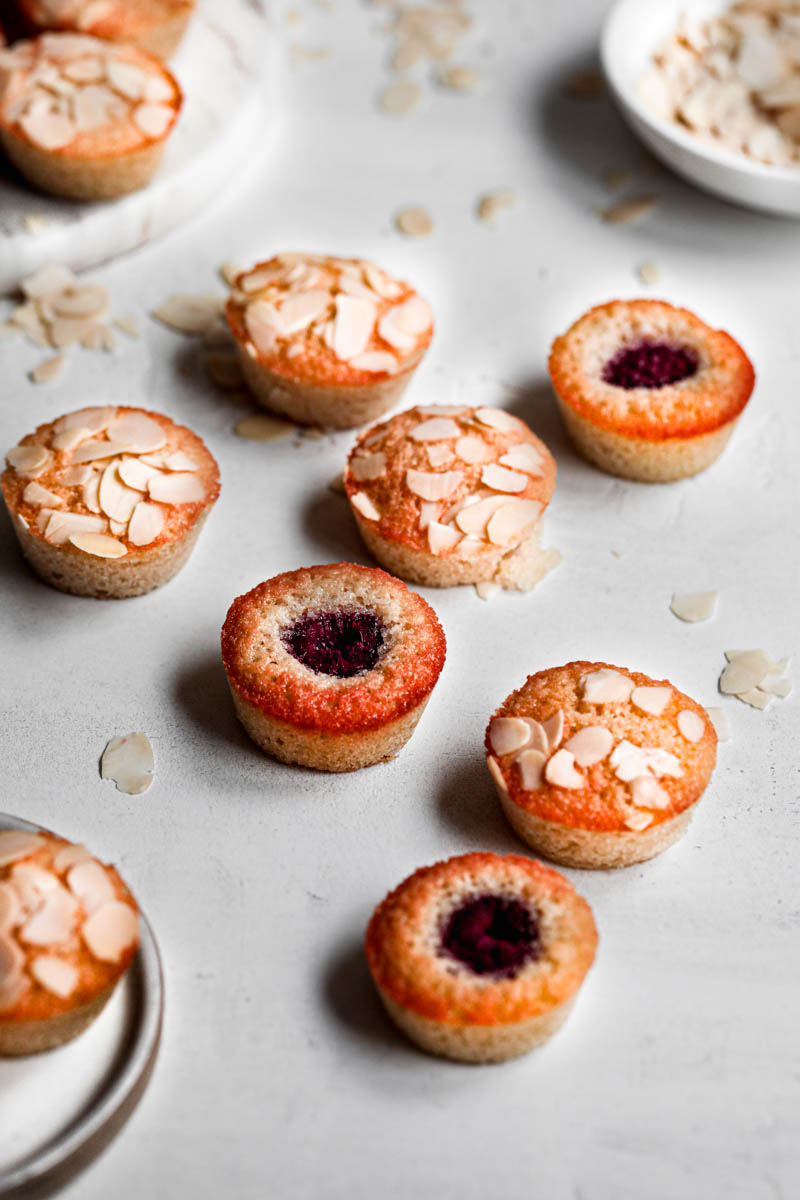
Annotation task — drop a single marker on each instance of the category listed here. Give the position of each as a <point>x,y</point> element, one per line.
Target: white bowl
<point>633,29</point>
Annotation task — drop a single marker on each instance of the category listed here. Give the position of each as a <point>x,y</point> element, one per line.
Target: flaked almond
<point>56,975</point>
<point>434,430</point>
<point>364,505</point>
<point>90,491</point>
<point>442,538</point>
<point>298,311</point>
<point>10,909</point>
<point>626,212</point>
<point>100,545</point>
<point>353,325</point>
<point>375,361</point>
<point>531,769</point>
<point>48,127</point>
<point>85,300</point>
<point>129,324</point>
<point>553,729</point>
<point>497,418</point>
<point>629,762</point>
<point>507,734</point>
<point>49,369</point>
<point>497,776</point>
<point>28,460</point>
<point>110,931</point>
<point>87,421</point>
<point>94,450</point>
<point>637,821</point>
<point>126,78</point>
<point>16,844</point>
<point>47,281</point>
<point>128,761</point>
<point>647,793</point>
<point>178,488</point>
<point>116,500</point>
<point>652,700</point>
<point>560,771</point>
<point>460,79</point>
<point>60,526</point>
<point>492,204</point>
<point>401,98</point>
<point>429,485</point>
<point>36,495</point>
<point>67,856</point>
<point>606,686</point>
<point>501,479</point>
<point>485,589</point>
<point>54,920</point>
<point>368,466</point>
<point>414,222</point>
<point>188,314</point>
<point>178,461</point>
<point>89,882</point>
<point>744,672</point>
<point>523,457</point>
<point>510,522</point>
<point>146,523</point>
<point>754,697</point>
<point>590,745</point>
<point>136,474</point>
<point>694,606</point>
<point>153,120</point>
<point>66,331</point>
<point>719,719</point>
<point>428,511</point>
<point>140,433</point>
<point>12,960</point>
<point>691,726</point>
<point>473,449</point>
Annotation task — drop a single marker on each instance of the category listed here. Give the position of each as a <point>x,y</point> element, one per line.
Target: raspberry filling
<point>650,364</point>
<point>340,642</point>
<point>492,935</point>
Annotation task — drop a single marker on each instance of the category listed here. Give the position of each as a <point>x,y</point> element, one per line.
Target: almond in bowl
<point>448,495</point>
<point>154,25</point>
<point>69,930</point>
<point>327,341</point>
<point>109,502</point>
<point>85,118</point>
<point>598,766</point>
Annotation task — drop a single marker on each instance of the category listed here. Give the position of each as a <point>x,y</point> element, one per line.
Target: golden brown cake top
<point>110,481</point>
<point>116,20</point>
<point>449,480</point>
<point>645,369</point>
<point>69,927</point>
<point>445,974</point>
<point>339,647</point>
<point>85,97</point>
<point>601,748</point>
<point>329,321</point>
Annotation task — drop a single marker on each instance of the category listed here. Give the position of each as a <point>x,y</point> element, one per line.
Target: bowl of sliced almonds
<point>713,89</point>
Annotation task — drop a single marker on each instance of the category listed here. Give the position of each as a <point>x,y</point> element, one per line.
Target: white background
<point>279,1076</point>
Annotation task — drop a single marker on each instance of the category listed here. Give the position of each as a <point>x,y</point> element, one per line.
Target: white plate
<point>59,1109</point>
<point>631,32</point>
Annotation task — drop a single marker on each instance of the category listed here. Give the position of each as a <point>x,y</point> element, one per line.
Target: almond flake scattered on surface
<point>460,79</point>
<point>719,719</point>
<point>694,606</point>
<point>754,678</point>
<point>648,273</point>
<point>189,314</point>
<point>493,203</point>
<point>48,370</point>
<point>229,273</point>
<point>586,84</point>
<point>414,222</point>
<point>128,761</point>
<point>401,98</point>
<point>625,212</point>
<point>129,324</point>
<point>487,588</point>
<point>260,427</point>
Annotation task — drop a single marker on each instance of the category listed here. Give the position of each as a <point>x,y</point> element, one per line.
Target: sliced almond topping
<point>68,439</point>
<point>37,495</point>
<point>473,449</point>
<point>263,325</point>
<point>414,222</point>
<point>606,686</point>
<point>436,429</point>
<point>100,545</point>
<point>146,524</point>
<point>179,488</point>
<point>262,428</point>
<point>637,821</point>
<point>32,883</point>
<point>136,474</point>
<point>49,369</point>
<point>158,89</point>
<point>89,881</point>
<point>503,480</point>
<point>128,761</point>
<point>629,762</point>
<point>116,500</point>
<point>53,921</point>
<point>497,418</point>
<point>531,769</point>
<point>86,420</point>
<point>401,98</point>
<point>11,962</point>
<point>381,283</point>
<point>539,737</point>
<point>91,451</point>
<point>153,119</point>
<point>523,457</point>
<point>553,729</point>
<point>15,844</point>
<point>368,466</point>
<point>126,78</point>
<point>140,433</point>
<point>651,700</point>
<point>428,511</point>
<point>10,908</point>
<point>442,538</point>
<point>55,975</point>
<point>178,461</point>
<point>413,316</point>
<point>646,793</point>
<point>364,505</point>
<point>560,771</point>
<point>430,485</point>
<point>719,719</point>
<point>441,410</point>
<point>353,325</point>
<point>511,521</point>
<point>507,734</point>
<point>111,930</point>
<point>62,526</point>
<point>690,725</point>
<point>65,331</point>
<point>48,127</point>
<point>67,856</point>
<point>497,775</point>
<point>438,454</point>
<point>375,361</point>
<point>744,672</point>
<point>475,517</point>
<point>299,310</point>
<point>27,460</point>
<point>90,491</point>
<point>469,547</point>
<point>694,606</point>
<point>590,745</point>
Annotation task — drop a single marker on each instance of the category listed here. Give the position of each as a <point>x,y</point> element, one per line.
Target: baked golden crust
<point>68,932</point>
<point>710,398</point>
<point>155,25</point>
<point>328,322</point>
<point>598,786</point>
<point>263,673</point>
<point>403,942</point>
<point>74,100</point>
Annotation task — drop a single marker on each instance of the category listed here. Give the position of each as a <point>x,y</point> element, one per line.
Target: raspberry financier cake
<point>648,391</point>
<point>443,496</point>
<point>331,666</point>
<point>327,341</point>
<point>109,502</point>
<point>480,958</point>
<point>597,766</point>
<point>69,929</point>
<point>85,118</point>
<point>155,25</point>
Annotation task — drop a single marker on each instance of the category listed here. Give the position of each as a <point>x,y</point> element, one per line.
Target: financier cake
<point>598,766</point>
<point>108,502</point>
<point>480,958</point>
<point>649,391</point>
<point>449,495</point>
<point>69,929</point>
<point>155,25</point>
<point>85,118</point>
<point>327,341</point>
<point>331,666</point>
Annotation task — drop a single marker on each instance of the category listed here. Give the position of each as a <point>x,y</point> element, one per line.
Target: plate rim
<point>70,1151</point>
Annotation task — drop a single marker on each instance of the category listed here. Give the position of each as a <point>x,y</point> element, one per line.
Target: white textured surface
<point>677,1074</point>
<point>226,76</point>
